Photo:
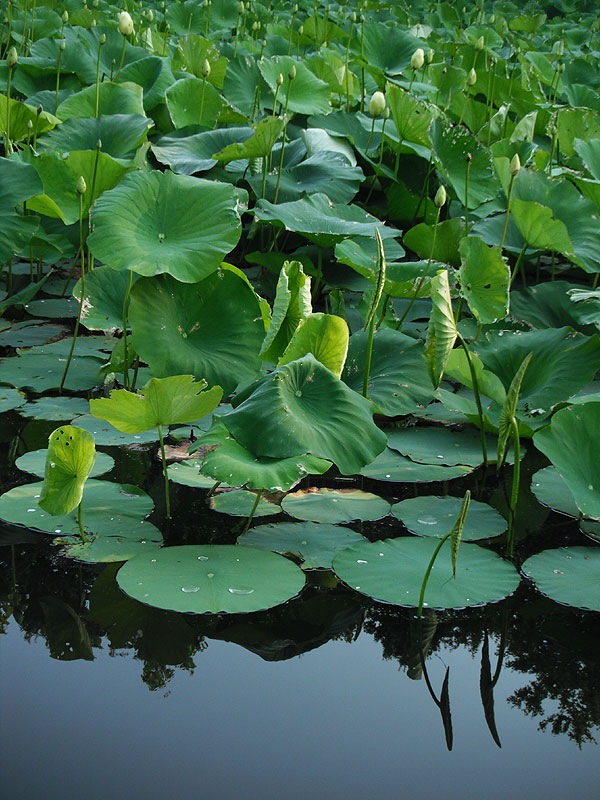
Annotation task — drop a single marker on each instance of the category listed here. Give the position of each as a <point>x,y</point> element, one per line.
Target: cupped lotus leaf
<point>240,503</point>
<point>113,98</point>
<point>258,145</point>
<point>319,141</point>
<point>20,115</point>
<point>212,329</point>
<point>232,464</point>
<point>572,443</point>
<point>187,473</point>
<point>412,115</point>
<point>193,101</point>
<point>563,363</point>
<point>360,253</point>
<point>10,398</point>
<point>34,462</point>
<point>484,278</point>
<point>120,134</point>
<point>538,226</point>
<point>389,48</point>
<point>154,223</point>
<point>335,505</point>
<point>322,221</point>
<point>107,508</point>
<point>305,94</point>
<point>451,147</point>
<point>105,290</point>
<point>392,571</point>
<point>107,435</point>
<point>429,515</point>
<point>108,549</point>
<point>569,575</point>
<point>323,335</point>
<point>443,246</point>
<point>41,372</point>
<point>303,408</point>
<point>441,331</point>
<point>457,367</point>
<point>211,579</point>
<point>192,51</point>
<point>69,461</point>
<point>163,401</point>
<point>314,542</point>
<point>436,445</point>
<point>589,152</point>
<point>187,153</point>
<point>292,304</point>
<point>552,491</point>
<point>153,74</point>
<point>398,378</point>
<point>19,182</point>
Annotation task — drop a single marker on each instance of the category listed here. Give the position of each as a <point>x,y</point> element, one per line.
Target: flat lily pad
<point>569,575</point>
<point>106,435</point>
<point>440,446</point>
<point>187,473</point>
<point>239,503</point>
<point>335,505</point>
<point>29,333</point>
<point>551,490</point>
<point>391,466</point>
<point>314,542</point>
<point>41,372</point>
<point>34,462</point>
<point>108,549</point>
<point>56,409</point>
<point>53,307</point>
<point>434,516</point>
<point>10,398</point>
<point>392,571</point>
<point>211,579</point>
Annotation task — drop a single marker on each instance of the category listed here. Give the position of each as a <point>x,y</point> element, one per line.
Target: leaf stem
<point>477,398</point>
<point>253,511</point>
<point>80,523</point>
<point>165,473</point>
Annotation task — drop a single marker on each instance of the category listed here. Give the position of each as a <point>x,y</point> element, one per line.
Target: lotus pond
<point>299,351</point>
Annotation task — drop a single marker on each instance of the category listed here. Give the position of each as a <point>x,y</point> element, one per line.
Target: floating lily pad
<point>434,516</point>
<point>239,503</point>
<point>108,549</point>
<point>53,307</point>
<point>335,505</point>
<point>34,462</point>
<point>210,579</point>
<point>551,490</point>
<point>10,398</point>
<point>391,466</point>
<point>56,409</point>
<point>393,570</point>
<point>187,473</point>
<point>41,372</point>
<point>107,508</point>
<point>106,435</point>
<point>29,333</point>
<point>591,528</point>
<point>440,446</point>
<point>569,575</point>
<point>314,542</point>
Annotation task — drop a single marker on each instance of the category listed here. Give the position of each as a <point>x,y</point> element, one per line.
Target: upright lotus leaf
<point>113,98</point>
<point>20,115</point>
<point>105,290</point>
<point>163,401</point>
<point>19,182</point>
<point>412,116</point>
<point>212,329</point>
<point>155,222</point>
<point>120,134</point>
<point>323,335</point>
<point>538,226</point>
<point>305,94</point>
<point>572,443</point>
<point>187,153</point>
<point>388,48</point>
<point>153,74</point>
<point>576,122</point>
<point>484,278</point>
<point>193,101</point>
<point>589,152</point>
<point>451,146</point>
<point>192,51</point>
<point>69,461</point>
<point>490,385</point>
<point>303,408</point>
<point>260,144</point>
<point>442,331</point>
<point>440,241</point>
<point>292,304</point>
<point>233,464</point>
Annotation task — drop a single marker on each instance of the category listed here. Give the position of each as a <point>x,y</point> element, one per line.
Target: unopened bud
<point>429,56</point>
<point>99,144</point>
<point>295,8</point>
<point>353,16</point>
<point>65,17</point>
<point>515,165</point>
<point>93,23</point>
<point>440,197</point>
<point>29,125</point>
<point>95,4</point>
<point>417,58</point>
<point>280,80</point>
<point>81,187</point>
<point>40,109</point>
<point>125,23</point>
<point>12,57</point>
<point>240,9</point>
<point>480,43</point>
<point>255,25</point>
<point>149,15</point>
<point>300,30</point>
<point>102,39</point>
<point>471,77</point>
<point>377,104</point>
<point>205,69</point>
<point>62,45</point>
<point>292,72</point>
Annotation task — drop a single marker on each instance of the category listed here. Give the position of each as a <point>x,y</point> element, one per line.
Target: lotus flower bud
<point>300,30</point>
<point>492,19</point>
<point>93,23</point>
<point>255,25</point>
<point>295,8</point>
<point>99,144</point>
<point>471,77</point>
<point>149,15</point>
<point>429,56</point>
<point>417,58</point>
<point>386,113</point>
<point>440,197</point>
<point>469,158</point>
<point>65,17</point>
<point>63,44</point>
<point>353,16</point>
<point>560,47</point>
<point>240,9</point>
<point>102,39</point>
<point>12,57</point>
<point>280,80</point>
<point>292,72</point>
<point>81,187</point>
<point>125,23</point>
<point>40,110</point>
<point>480,43</point>
<point>205,69</point>
<point>95,4</point>
<point>29,125</point>
<point>515,165</point>
<point>377,104</point>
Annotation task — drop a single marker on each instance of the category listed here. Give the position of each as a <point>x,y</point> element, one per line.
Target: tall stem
<point>80,523</point>
<point>76,331</point>
<point>510,188</point>
<point>424,275</point>
<point>122,58</point>
<point>165,473</point>
<point>253,511</point>
<point>8,144</point>
<point>477,398</point>
<point>125,301</point>
<point>516,476</point>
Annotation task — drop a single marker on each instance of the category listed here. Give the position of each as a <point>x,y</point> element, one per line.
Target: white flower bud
<point>377,104</point>
<point>515,165</point>
<point>480,43</point>
<point>125,23</point>
<point>440,197</point>
<point>280,80</point>
<point>471,77</point>
<point>417,58</point>
<point>81,187</point>
<point>205,69</point>
<point>65,17</point>
<point>12,57</point>
<point>292,72</point>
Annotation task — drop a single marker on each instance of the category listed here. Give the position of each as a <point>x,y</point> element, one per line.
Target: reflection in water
<point>79,608</point>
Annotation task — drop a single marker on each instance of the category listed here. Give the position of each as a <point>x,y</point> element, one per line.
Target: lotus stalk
<point>12,59</point>
<point>515,168</point>
<point>291,76</point>
<point>101,42</point>
<point>370,318</point>
<point>61,50</point>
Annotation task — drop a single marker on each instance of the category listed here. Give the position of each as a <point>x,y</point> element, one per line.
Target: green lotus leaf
<point>335,505</point>
<point>211,329</point>
<point>436,445</point>
<point>489,384</point>
<point>538,226</point>
<point>113,98</point>
<point>34,462</point>
<point>305,94</point>
<point>211,579</point>
<point>154,223</point>
<point>303,408</point>
<point>484,278</point>
<point>393,467</point>
<point>41,372</point>
<point>292,304</point>
<point>192,51</point>
<point>441,331</point>
<point>392,571</point>
<point>188,473</point>
<point>576,122</point>
<point>448,237</point>
<point>107,549</point>
<point>323,335</point>
<point>187,153</point>
<point>569,575</point>
<point>434,516</point>
<point>153,74</point>
<point>120,134</point>
<point>69,460</point>
<point>315,543</point>
<point>53,307</point>
<point>19,182</point>
<point>105,290</point>
<point>412,116</point>
<point>193,101</point>
<point>388,48</point>
<point>107,435</point>
<point>232,464</point>
<point>240,503</point>
<point>571,442</point>
<point>552,491</point>
<point>547,305</point>
<point>56,409</point>
<point>589,152</point>
<point>258,145</point>
<point>20,115</point>
<point>10,398</point>
<point>163,401</point>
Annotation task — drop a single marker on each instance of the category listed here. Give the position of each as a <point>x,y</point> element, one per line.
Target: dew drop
<point>202,558</point>
<point>30,509</point>
<point>153,560</point>
<point>428,519</point>
<point>240,590</point>
<point>210,574</point>
<point>558,572</point>
<point>190,589</point>
<point>361,561</point>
